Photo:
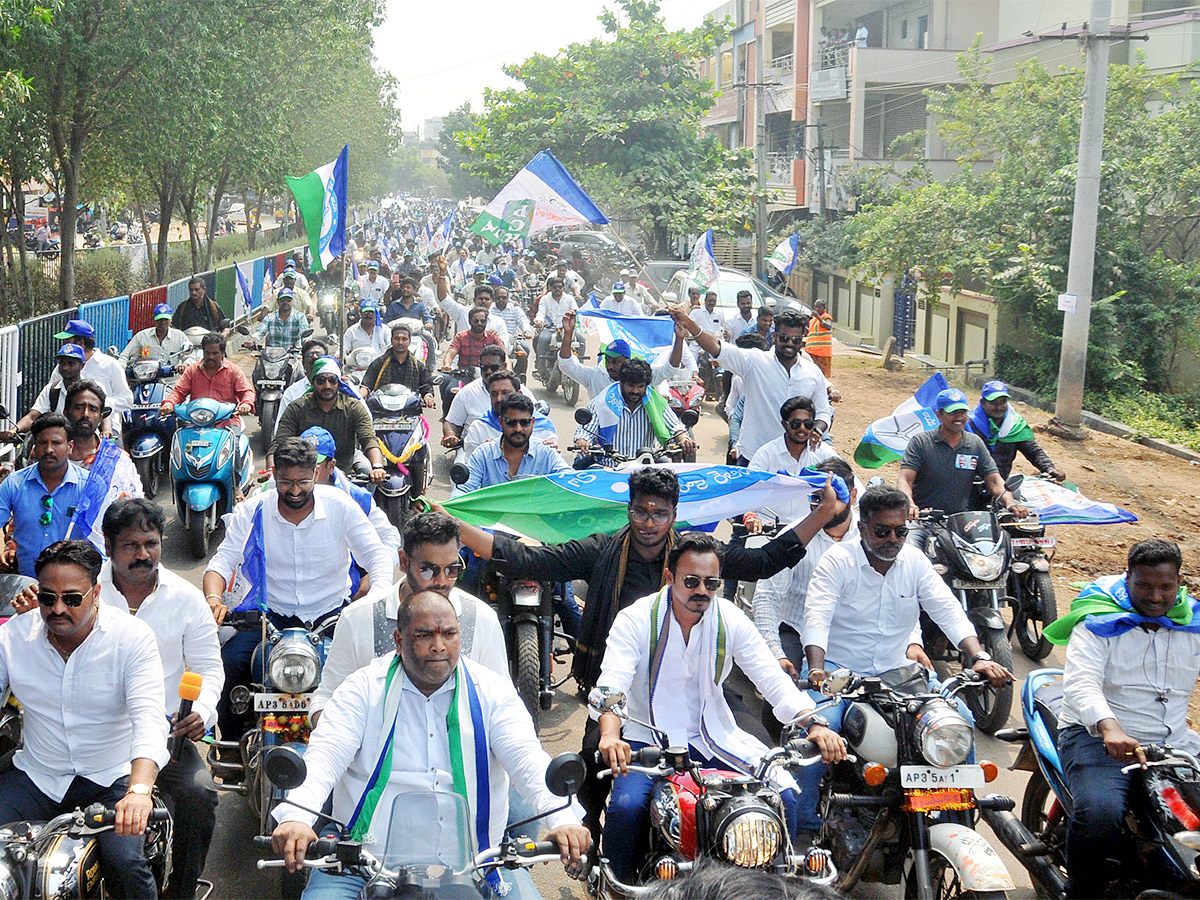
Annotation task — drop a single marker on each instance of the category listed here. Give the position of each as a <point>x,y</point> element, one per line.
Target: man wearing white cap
<point>160,341</point>
<point>372,286</point>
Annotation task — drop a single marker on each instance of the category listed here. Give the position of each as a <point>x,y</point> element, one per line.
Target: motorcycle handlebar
<point>97,815</point>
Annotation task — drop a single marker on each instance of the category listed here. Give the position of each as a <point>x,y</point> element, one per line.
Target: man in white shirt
<point>707,318</point>
<point>595,379</point>
<point>52,398</point>
<point>619,302</point>
<point>1133,656</point>
<point>462,269</point>
<point>472,400</point>
<point>572,281</point>
<point>792,453</point>
<point>389,727</point>
<point>160,341</point>
<point>488,427</point>
<point>186,633</point>
<point>519,328</point>
<point>770,378</point>
<point>662,654</point>
<point>742,318</point>
<point>90,682</point>
<point>291,267</point>
<point>367,332</point>
<point>103,369</point>
<point>372,286</point>
<point>863,606</point>
<point>432,562</point>
<point>309,534</point>
<point>630,418</point>
<point>553,304</point>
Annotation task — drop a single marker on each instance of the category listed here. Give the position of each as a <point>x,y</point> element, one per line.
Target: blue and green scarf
<point>1107,610</point>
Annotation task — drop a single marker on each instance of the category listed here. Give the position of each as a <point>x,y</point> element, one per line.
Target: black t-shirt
<point>944,473</point>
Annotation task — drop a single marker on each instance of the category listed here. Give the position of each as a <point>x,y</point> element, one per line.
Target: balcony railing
<point>779,166</point>
<point>783,64</point>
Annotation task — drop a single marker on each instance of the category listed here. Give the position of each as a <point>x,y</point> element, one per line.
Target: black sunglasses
<point>691,582</point>
<point>72,599</point>
<point>518,423</point>
<point>882,531</point>
<point>806,424</point>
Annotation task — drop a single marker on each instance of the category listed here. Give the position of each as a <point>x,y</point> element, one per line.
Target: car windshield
<point>429,828</point>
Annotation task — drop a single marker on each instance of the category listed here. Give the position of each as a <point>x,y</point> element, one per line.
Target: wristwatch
<point>142,789</point>
<point>816,720</point>
<point>981,655</point>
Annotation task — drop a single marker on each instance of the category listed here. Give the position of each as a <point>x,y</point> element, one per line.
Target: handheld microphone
<point>189,690</point>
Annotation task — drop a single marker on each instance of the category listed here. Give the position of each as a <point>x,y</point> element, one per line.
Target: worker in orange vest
<point>819,339</point>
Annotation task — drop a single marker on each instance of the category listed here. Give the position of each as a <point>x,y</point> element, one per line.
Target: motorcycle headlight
<point>146,370</point>
<point>201,416</point>
<point>943,735</point>
<point>665,814</point>
<point>751,839</point>
<point>985,568</point>
<point>177,453</point>
<point>294,667</point>
<point>225,452</point>
<point>9,887</point>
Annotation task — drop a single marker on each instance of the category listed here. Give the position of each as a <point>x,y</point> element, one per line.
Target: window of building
<point>726,68</point>
<point>922,32</point>
<point>904,29</point>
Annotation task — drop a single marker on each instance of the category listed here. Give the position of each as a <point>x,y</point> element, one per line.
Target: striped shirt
<point>634,432</point>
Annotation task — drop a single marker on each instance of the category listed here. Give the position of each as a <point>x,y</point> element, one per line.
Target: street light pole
<point>1072,365</point>
<point>760,156</point>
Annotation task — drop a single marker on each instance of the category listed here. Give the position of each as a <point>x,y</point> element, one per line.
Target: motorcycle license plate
<point>270,384</point>
<point>933,777</point>
<point>197,445</point>
<point>395,423</point>
<point>282,702</point>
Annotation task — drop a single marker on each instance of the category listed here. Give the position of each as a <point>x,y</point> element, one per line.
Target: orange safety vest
<point>819,341</point>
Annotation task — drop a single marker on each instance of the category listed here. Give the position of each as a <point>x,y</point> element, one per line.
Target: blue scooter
<point>206,458</point>
<point>147,432</point>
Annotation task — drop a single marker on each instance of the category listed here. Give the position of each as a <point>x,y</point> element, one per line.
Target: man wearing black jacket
<point>623,567</point>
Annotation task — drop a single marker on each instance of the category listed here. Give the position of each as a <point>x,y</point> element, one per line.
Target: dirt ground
<point>1163,491</point>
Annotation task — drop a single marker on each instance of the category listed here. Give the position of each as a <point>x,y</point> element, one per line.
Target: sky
<point>444,53</point>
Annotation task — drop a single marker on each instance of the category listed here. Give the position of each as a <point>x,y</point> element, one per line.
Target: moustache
<point>699,598</point>
<point>141,564</point>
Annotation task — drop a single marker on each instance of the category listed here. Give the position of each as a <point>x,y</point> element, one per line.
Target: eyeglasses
<point>48,506</point>
<point>518,423</point>
<point>429,571</point>
<point>72,599</point>
<point>789,338</point>
<point>642,516</point>
<point>305,484</point>
<point>882,531</point>
<point>325,379</point>
<point>488,370</point>
<point>806,424</point>
<point>711,583</point>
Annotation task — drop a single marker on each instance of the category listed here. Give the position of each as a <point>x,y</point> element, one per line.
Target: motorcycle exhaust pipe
<point>1029,851</point>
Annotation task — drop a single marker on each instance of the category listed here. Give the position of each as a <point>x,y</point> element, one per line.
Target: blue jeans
<point>1095,833</point>
<point>627,821</point>
<point>327,886</point>
<point>567,608</point>
<point>809,777</point>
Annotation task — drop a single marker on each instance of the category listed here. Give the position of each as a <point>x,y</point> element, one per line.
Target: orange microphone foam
<point>189,686</point>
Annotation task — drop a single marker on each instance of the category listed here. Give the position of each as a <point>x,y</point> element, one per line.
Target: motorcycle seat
<point>1047,701</point>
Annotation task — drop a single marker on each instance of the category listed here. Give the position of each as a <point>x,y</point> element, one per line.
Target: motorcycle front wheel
<point>570,391</point>
<point>945,883</point>
<point>1046,820</point>
<point>198,534</point>
<point>1036,609</point>
<point>527,667</point>
<point>990,706</point>
<point>267,412</point>
<point>148,471</point>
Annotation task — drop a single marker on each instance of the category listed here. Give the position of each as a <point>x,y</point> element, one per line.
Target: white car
<point>732,281</point>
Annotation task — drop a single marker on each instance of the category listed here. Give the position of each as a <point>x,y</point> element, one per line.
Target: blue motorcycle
<point>1163,818</point>
<point>206,458</point>
<point>148,433</point>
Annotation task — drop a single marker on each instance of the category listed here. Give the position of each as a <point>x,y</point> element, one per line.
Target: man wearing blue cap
<point>372,286</point>
<point>103,369</point>
<point>1005,431</point>
<point>285,326</point>
<point>618,302</point>
<point>366,332</point>
<point>940,466</point>
<point>53,396</point>
<point>160,341</point>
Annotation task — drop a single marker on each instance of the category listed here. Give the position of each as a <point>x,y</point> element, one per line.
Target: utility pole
<point>760,156</point>
<point>1072,365</point>
<point>821,170</point>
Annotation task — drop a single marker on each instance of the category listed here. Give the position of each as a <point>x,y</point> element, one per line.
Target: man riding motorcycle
<point>1006,432</point>
<point>630,417</point>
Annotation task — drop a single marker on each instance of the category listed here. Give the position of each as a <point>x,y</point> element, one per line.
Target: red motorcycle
<point>684,396</point>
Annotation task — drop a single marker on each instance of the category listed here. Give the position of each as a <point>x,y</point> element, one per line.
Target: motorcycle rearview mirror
<point>603,700</point>
<point>838,681</point>
<point>1014,482</point>
<point>459,473</point>
<point>583,415</point>
<point>689,417</point>
<point>284,768</point>
<point>3,411</point>
<point>306,333</point>
<point>541,406</point>
<point>438,379</point>
<point>877,481</point>
<point>242,329</point>
<point>566,774</point>
<point>112,350</point>
<point>224,323</point>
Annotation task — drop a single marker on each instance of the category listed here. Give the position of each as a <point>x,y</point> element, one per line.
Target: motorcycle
<point>453,382</point>
<point>905,811</point>
<point>699,813</point>
<point>403,435</point>
<point>712,376</point>
<point>277,367</point>
<point>148,433</point>
<point>406,865</point>
<point>208,463</point>
<point>684,396</point>
<point>605,457</point>
<point>1163,820</point>
<point>286,671</point>
<point>61,858</point>
<point>973,555</point>
<point>1030,584</point>
<point>327,309</point>
<point>356,363</point>
<point>547,371</point>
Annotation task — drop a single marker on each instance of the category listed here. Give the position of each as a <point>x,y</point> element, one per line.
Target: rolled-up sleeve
<point>368,550</point>
<point>145,700</point>
<point>762,668</point>
<point>202,654</point>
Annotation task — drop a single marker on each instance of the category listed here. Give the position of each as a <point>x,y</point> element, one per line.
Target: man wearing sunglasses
<point>41,499</point>
<point>338,408</point>
<point>431,561</point>
<point>516,454</point>
<point>662,654</point>
<point>790,453</point>
<point>770,377</point>
<point>307,534</point>
<point>864,603</point>
<point>472,399</point>
<point>91,686</point>
<point>487,427</point>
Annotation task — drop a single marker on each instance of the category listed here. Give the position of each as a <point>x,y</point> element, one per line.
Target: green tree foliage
<point>622,114</point>
<point>1002,223</point>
